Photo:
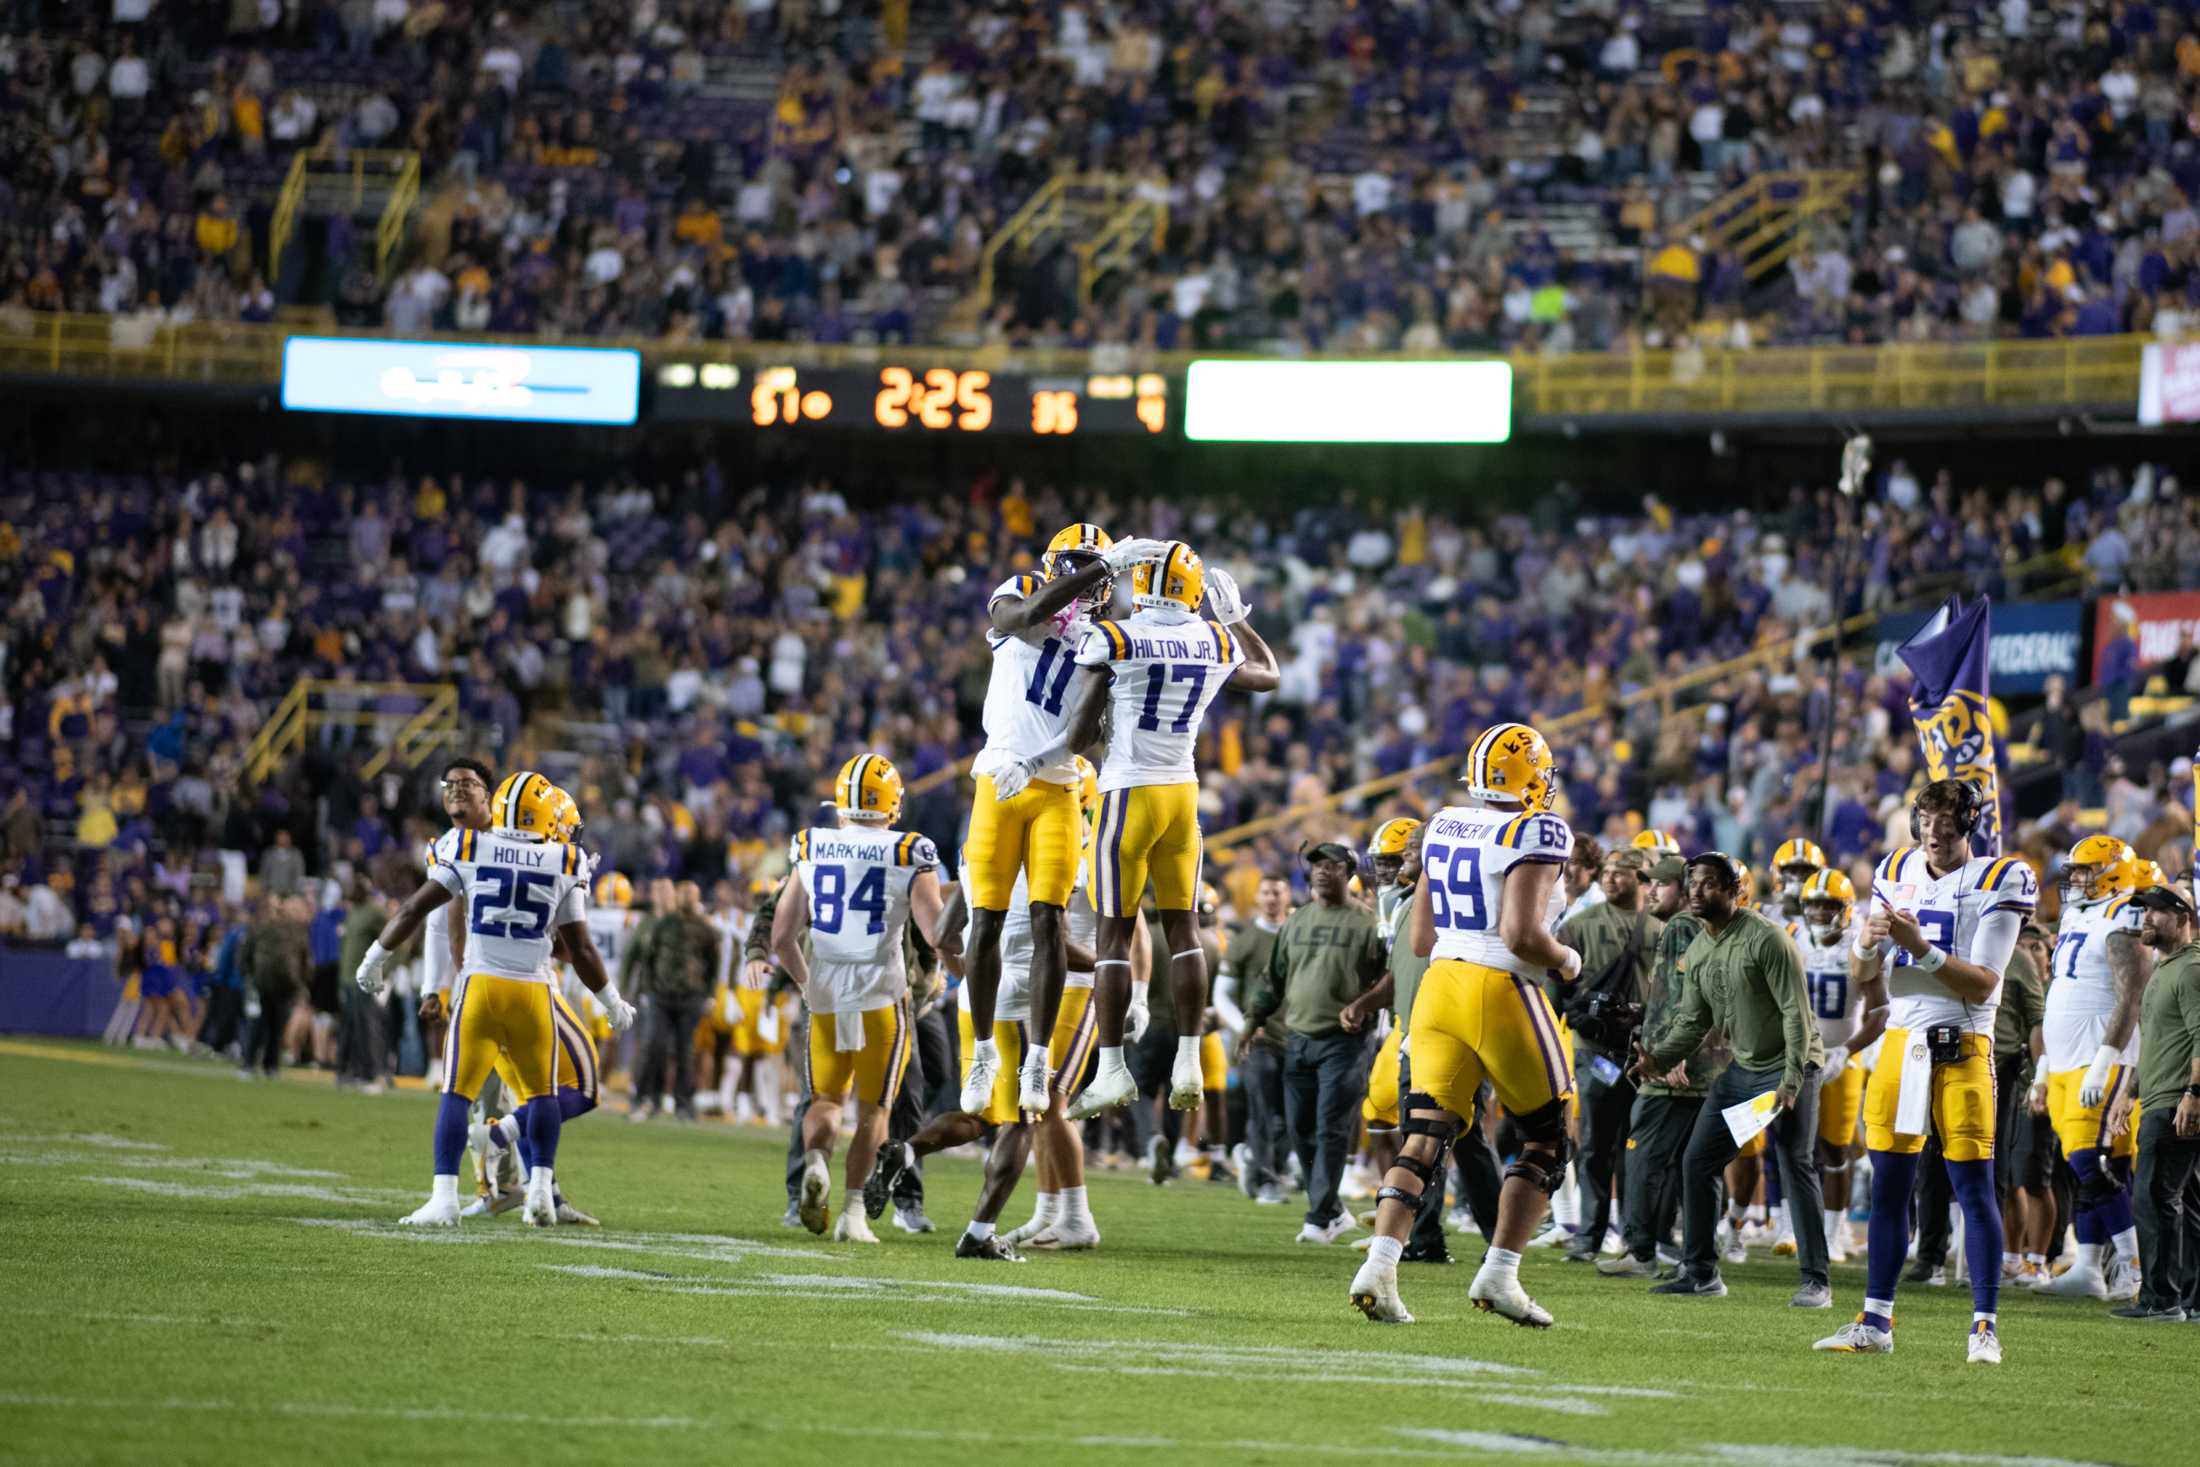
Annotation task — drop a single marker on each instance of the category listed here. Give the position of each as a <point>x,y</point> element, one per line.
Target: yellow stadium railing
<point>401,737</point>
<point>1762,220</point>
<point>1836,380</point>
<point>325,180</point>
<point>1101,209</point>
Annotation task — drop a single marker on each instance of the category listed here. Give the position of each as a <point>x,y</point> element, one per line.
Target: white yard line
<point>247,1409</point>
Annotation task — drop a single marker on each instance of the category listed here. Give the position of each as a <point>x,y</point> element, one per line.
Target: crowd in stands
<point>692,657</point>
<point>1376,176</point>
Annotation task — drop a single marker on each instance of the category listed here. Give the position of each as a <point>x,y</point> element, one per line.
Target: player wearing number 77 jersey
<point>1023,816</point>
<point>1154,675</point>
<point>1488,896</point>
<point>1949,920</point>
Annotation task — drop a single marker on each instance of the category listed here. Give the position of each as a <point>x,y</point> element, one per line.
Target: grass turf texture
<point>165,1302</point>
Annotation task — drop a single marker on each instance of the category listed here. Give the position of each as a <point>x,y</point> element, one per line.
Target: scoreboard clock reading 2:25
<point>918,401</point>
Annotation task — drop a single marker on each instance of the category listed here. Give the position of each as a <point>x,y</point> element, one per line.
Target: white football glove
<point>1012,781</point>
<point>1136,1017</point>
<point>1837,1060</point>
<point>2093,1089</point>
<point>1126,553</point>
<point>617,1012</point>
<point>1570,969</point>
<point>371,977</point>
<point>1223,597</point>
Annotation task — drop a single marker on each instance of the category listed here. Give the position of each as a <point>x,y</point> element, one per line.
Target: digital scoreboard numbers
<point>918,401</point>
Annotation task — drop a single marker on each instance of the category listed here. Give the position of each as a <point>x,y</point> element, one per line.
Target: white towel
<point>1913,1101</point>
<point>848,1030</point>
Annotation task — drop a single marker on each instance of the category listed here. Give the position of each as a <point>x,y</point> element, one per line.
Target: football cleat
<point>1551,1235</point>
<point>1785,1248</point>
<point>814,1202</point>
<point>1985,1345</point>
<point>1505,1298</point>
<point>991,1248</point>
<point>911,1219</point>
<point>853,1227</point>
<point>1060,1237</point>
<point>1160,1166</point>
<point>1109,1089</point>
<point>1858,1338</point>
<point>894,1158</point>
<point>436,1213</point>
<point>572,1217</point>
<point>1034,1082</point>
<point>1729,1245</point>
<point>1375,1294</point>
<point>977,1091</point>
<point>1187,1083</point>
<point>1241,1160</point>
<point>792,1217</point>
<point>2122,1282</point>
<point>542,1202</point>
<point>2079,1283</point>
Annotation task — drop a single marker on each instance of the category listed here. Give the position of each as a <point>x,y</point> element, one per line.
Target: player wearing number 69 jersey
<point>1488,896</point>
<point>853,890</point>
<point>1823,936</point>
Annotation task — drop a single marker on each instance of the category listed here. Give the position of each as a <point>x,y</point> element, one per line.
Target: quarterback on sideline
<point>524,888</point>
<point>1153,676</point>
<point>1483,910</point>
<point>853,890</point>
<point>1949,920</point>
<point>1023,816</point>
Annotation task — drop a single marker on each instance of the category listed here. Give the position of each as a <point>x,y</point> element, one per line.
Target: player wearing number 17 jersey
<point>1488,895</point>
<point>853,891</point>
<point>1949,921</point>
<point>1154,675</point>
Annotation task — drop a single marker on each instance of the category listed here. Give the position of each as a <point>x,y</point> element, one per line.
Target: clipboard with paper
<point>1749,1118</point>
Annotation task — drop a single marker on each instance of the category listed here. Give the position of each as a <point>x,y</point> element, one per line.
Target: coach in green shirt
<point>1327,955</point>
<point>2169,1121</point>
<point>1746,976</point>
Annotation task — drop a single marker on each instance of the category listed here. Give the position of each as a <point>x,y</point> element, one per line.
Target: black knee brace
<point>1546,1147</point>
<point>1419,1114</point>
<point>1420,1169</point>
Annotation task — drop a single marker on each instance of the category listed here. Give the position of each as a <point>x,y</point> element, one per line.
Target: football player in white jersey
<point>1949,921</point>
<point>1023,816</point>
<point>2092,1031</point>
<point>1153,676</point>
<point>853,890</point>
<point>1483,910</point>
<point>1827,900</point>
<point>522,889</point>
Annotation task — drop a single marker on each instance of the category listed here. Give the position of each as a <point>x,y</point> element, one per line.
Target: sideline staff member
<point>1746,977</point>
<point>2169,1120</point>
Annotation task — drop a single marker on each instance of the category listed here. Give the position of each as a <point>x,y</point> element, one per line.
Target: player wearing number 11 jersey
<point>1483,910</point>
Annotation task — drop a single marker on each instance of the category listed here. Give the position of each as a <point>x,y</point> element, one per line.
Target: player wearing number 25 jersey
<point>1483,910</point>
<point>852,892</point>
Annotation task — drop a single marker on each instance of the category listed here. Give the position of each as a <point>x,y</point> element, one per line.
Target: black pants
<point>1150,1060</point>
<point>362,1054</point>
<point>1261,1072</point>
<point>2012,1096</point>
<point>264,1045</point>
<point>1791,1142</point>
<point>933,1064</point>
<point>224,1018</point>
<point>798,1043</point>
<point>1659,1125</point>
<point>1324,1081</point>
<point>1607,1110</point>
<point>671,1041</point>
<point>2166,1202</point>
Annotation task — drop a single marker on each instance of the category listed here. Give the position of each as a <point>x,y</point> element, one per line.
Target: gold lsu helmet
<point>2134,873</point>
<point>1511,761</point>
<point>1745,892</point>
<point>1655,841</point>
<point>1071,544</point>
<point>565,817</point>
<point>529,806</point>
<point>1210,900</point>
<point>1828,885</point>
<point>2098,867</point>
<point>1394,837</point>
<point>1177,577</point>
<point>613,889</point>
<point>1799,852</point>
<point>869,790</point>
<point>1088,787</point>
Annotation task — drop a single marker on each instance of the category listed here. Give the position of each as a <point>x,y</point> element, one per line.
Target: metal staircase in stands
<point>1104,219</point>
<point>1765,221</point>
<point>394,724</point>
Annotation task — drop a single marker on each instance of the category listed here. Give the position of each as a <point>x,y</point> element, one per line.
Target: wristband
<point>376,959</point>
<point>1932,960</point>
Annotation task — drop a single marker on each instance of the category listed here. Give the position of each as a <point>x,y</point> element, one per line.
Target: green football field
<point>201,1271</point>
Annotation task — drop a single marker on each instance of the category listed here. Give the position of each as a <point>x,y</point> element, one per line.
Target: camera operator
<point>1745,976</point>
<point>1617,941</point>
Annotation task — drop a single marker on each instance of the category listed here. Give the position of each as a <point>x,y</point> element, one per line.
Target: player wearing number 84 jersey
<point>1483,911</point>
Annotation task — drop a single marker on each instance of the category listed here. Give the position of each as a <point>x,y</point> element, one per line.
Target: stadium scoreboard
<point>916,399</point>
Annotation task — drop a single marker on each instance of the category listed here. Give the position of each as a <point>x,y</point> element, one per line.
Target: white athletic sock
<point>1187,1048</point>
<point>1836,1220</point>
<point>1385,1250</point>
<point>444,1190</point>
<point>1755,1212</point>
<point>540,1177</point>
<point>2126,1244</point>
<point>2090,1257</point>
<point>1049,1208</point>
<point>988,1048</point>
<point>1071,1207</point>
<point>1566,1202</point>
<point>2037,1260</point>
<point>1982,1315</point>
<point>2009,1259</point>
<point>1501,1263</point>
<point>1111,1058</point>
<point>980,1231</point>
<point>1884,1308</point>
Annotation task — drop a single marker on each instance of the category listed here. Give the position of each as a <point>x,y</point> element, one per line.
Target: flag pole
<point>1856,462</point>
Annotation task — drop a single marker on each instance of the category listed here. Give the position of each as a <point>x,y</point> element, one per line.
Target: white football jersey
<point>1013,1002</point>
<point>1835,1001</point>
<point>857,879</point>
<point>611,929</point>
<point>2083,994</point>
<point>1027,698</point>
<point>512,894</point>
<point>435,940</point>
<point>1464,861</point>
<point>1951,909</point>
<point>733,930</point>
<point>1169,668</point>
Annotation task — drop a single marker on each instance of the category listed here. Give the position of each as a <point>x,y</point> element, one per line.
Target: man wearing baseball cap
<point>2168,1178</point>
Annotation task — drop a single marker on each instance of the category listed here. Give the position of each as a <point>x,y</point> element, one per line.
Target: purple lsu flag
<point>1948,657</point>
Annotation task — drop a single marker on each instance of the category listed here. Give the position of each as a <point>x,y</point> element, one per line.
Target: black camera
<point>1944,1043</point>
<point>1608,1021</point>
